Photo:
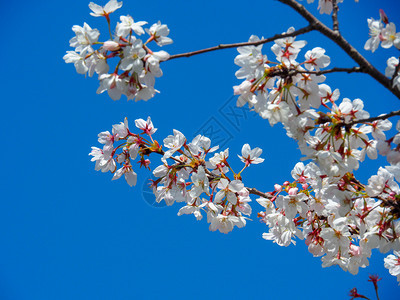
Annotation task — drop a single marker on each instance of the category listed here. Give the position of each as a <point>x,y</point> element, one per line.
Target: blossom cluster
<point>136,66</point>
<point>340,219</point>
<point>129,145</point>
<point>185,175</point>
<point>290,93</point>
<point>382,32</point>
<point>268,84</point>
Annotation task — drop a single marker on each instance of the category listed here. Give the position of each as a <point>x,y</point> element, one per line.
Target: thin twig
<point>235,45</point>
<point>288,73</point>
<point>372,119</point>
<point>333,70</point>
<point>335,16</point>
<point>376,292</point>
<point>258,193</point>
<point>344,44</point>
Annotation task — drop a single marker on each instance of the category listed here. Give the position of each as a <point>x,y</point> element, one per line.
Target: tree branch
<point>235,45</point>
<point>333,70</point>
<point>335,16</point>
<point>344,44</point>
<point>372,119</point>
<point>258,193</point>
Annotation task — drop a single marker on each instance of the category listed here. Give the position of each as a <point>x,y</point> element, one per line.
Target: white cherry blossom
<point>130,175</point>
<point>251,156</point>
<point>84,39</point>
<point>375,31</point>
<point>160,32</point>
<point>99,11</point>
<point>127,24</point>
<point>392,262</point>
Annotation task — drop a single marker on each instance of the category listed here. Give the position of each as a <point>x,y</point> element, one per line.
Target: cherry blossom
<point>137,65</point>
<point>251,156</point>
<point>159,32</point>
<point>98,11</point>
<point>146,126</point>
<point>375,31</point>
<point>84,39</point>
<point>130,175</point>
<point>392,262</point>
<point>390,37</point>
<point>127,25</point>
<point>340,218</point>
<point>391,68</point>
<point>78,60</point>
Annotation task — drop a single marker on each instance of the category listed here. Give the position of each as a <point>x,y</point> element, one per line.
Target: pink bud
<point>304,186</point>
<point>111,46</point>
<point>302,179</point>
<point>286,183</point>
<point>354,250</point>
<point>278,187</point>
<point>384,17</point>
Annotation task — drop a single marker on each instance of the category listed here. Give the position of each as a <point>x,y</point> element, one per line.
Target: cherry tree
<point>340,218</point>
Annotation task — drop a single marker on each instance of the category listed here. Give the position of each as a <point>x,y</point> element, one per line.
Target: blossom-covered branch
<point>137,65</point>
<point>185,174</point>
<point>340,218</point>
<point>344,44</point>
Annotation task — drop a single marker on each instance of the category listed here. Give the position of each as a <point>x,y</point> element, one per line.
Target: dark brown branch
<point>258,193</point>
<point>333,70</point>
<point>372,119</point>
<point>335,16</point>
<point>235,45</point>
<point>289,73</point>
<point>344,44</point>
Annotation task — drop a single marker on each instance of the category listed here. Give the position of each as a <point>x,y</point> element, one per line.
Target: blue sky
<point>69,232</point>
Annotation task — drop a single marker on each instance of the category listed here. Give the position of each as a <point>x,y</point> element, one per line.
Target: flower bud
<point>277,187</point>
<point>354,250</point>
<point>111,46</point>
<point>384,17</point>
<point>301,179</point>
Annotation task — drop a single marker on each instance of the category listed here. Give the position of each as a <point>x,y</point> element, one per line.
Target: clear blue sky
<point>69,232</point>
